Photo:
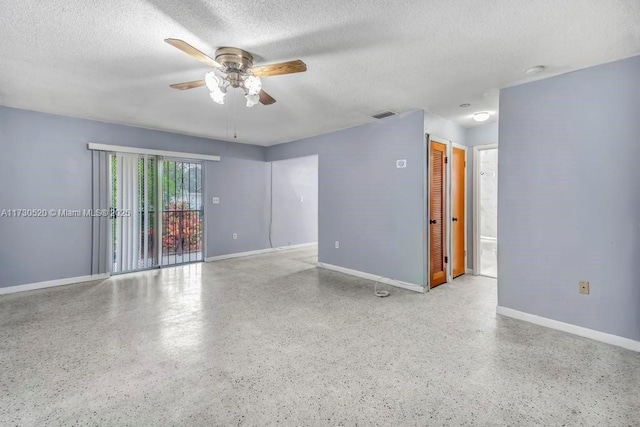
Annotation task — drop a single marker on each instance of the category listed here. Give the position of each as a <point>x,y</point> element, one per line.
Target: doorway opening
<point>293,220</point>
<point>486,210</point>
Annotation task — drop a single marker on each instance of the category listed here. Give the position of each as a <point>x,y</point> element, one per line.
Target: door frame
<point>476,203</point>
<point>427,192</point>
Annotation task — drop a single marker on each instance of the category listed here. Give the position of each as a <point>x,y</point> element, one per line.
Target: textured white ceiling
<point>107,60</point>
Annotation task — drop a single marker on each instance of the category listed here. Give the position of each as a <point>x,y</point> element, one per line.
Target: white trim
<point>426,187</point>
<point>258,252</point>
<point>373,277</point>
<point>134,150</point>
<point>604,337</point>
<point>447,210</point>
<point>298,246</point>
<point>52,283</point>
<point>239,254</point>
<point>476,204</point>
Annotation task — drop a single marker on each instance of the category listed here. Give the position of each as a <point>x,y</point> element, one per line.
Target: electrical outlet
<point>235,236</point>
<point>337,245</point>
<point>215,200</point>
<point>583,287</point>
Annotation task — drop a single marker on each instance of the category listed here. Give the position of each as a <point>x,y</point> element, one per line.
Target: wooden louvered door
<point>458,218</point>
<point>437,209</point>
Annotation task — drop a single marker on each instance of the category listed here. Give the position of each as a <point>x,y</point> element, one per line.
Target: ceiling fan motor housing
<point>236,62</point>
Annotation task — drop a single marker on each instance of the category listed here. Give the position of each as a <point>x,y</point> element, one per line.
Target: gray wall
<point>477,135</point>
<point>569,198</point>
<point>374,209</point>
<point>295,201</point>
<point>440,127</point>
<point>242,186</point>
<point>45,164</point>
<point>481,135</point>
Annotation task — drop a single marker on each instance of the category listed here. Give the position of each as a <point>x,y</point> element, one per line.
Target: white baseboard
<point>469,270</point>
<point>259,252</point>
<point>52,283</point>
<point>239,255</point>
<point>374,277</point>
<point>616,340</point>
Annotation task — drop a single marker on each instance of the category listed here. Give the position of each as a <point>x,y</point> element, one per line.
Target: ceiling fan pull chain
<point>235,119</point>
<point>227,108</point>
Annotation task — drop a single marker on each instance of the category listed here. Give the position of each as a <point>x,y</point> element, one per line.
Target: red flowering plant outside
<point>183,229</point>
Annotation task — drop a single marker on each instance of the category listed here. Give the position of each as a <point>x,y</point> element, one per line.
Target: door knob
<point>455,219</point>
<point>432,221</point>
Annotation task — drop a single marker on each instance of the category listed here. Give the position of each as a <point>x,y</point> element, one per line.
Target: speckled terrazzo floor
<point>271,339</point>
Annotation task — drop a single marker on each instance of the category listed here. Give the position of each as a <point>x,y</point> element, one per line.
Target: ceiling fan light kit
<point>234,68</point>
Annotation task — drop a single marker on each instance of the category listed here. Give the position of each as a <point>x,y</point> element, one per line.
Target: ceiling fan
<point>234,68</point>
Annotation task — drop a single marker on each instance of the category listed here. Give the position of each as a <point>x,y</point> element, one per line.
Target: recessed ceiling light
<point>481,116</point>
<point>535,70</point>
<point>465,105</point>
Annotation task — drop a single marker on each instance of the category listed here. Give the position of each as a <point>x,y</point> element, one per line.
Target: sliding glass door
<point>156,212</point>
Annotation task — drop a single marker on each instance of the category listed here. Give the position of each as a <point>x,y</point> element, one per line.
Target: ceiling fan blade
<point>265,98</point>
<point>192,51</point>
<point>290,67</point>
<point>187,85</point>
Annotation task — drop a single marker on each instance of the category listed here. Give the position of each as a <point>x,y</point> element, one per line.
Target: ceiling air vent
<point>383,115</point>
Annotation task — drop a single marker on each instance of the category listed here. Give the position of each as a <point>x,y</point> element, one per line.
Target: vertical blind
<point>101,203</point>
<point>126,214</point>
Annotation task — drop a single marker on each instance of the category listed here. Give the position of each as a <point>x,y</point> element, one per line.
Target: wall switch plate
<point>235,236</point>
<point>583,287</point>
<point>215,200</point>
<point>337,245</point>
<point>402,163</point>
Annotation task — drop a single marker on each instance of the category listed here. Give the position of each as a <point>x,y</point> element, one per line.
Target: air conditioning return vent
<point>383,115</point>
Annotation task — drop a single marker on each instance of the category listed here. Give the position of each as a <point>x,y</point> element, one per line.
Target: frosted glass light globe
<point>252,100</point>
<point>217,96</point>
<point>253,85</point>
<point>212,81</point>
